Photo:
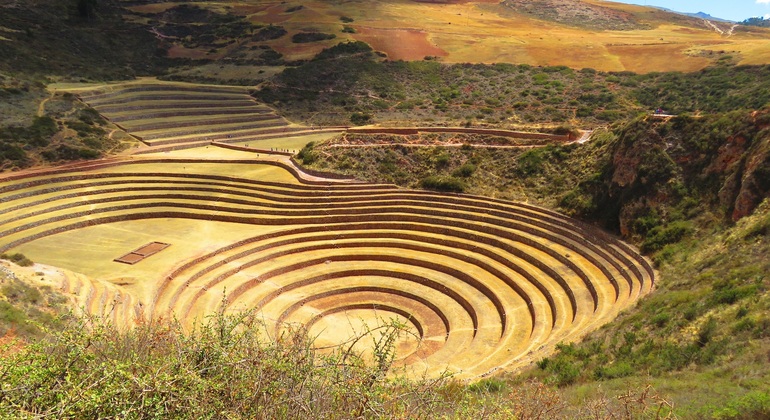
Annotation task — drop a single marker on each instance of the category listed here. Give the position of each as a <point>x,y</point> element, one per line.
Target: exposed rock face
<point>626,164</point>
<point>755,182</point>
<point>719,164</point>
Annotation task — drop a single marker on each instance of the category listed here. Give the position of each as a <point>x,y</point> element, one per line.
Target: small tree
<point>360,118</point>
<point>87,8</point>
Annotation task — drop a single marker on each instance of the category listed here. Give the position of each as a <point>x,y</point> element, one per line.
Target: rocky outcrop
<point>662,169</point>
<point>754,184</point>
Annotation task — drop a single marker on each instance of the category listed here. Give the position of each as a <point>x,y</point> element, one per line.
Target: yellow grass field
<point>488,32</point>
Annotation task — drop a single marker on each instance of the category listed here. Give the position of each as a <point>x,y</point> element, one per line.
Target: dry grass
<point>484,32</point>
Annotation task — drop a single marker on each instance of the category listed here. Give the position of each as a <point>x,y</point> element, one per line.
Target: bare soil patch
<point>400,44</point>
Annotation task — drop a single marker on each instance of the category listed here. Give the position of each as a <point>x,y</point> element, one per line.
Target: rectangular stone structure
<point>142,252</point>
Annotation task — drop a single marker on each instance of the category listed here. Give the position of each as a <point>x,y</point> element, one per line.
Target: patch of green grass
<point>753,405</point>
<point>660,236</point>
<point>28,310</point>
<point>488,385</point>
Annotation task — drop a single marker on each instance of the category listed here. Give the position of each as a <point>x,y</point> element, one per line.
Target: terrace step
<point>124,89</point>
<point>172,106</point>
<point>483,283</point>
<point>213,128</point>
<point>148,116</point>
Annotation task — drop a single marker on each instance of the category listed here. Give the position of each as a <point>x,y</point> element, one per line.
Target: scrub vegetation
<point>690,188</point>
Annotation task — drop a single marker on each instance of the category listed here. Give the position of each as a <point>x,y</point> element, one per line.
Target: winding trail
<point>41,105</point>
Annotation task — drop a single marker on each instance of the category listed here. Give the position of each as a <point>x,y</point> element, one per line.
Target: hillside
<point>580,34</point>
<point>485,217</point>
<point>350,79</point>
<point>253,38</point>
<point>635,179</point>
<point>674,186</point>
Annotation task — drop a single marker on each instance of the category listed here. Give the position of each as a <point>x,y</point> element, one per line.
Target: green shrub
<point>727,293</point>
<point>660,320</point>
<point>27,309</point>
<point>661,236</point>
<point>762,330</point>
<point>530,162</point>
<point>753,405</point>
<point>17,258</point>
<point>564,372</point>
<point>38,134</point>
<point>306,37</point>
<point>10,314</point>
<point>307,155</point>
<point>13,153</point>
<point>84,128</point>
<point>609,115</point>
<point>744,324</point>
<point>66,152</point>
<point>22,293</point>
<point>343,49</point>
<point>360,118</point>
<point>465,170</point>
<point>93,370</point>
<point>488,385</point>
<point>706,332</point>
<point>442,160</point>
<point>268,33</point>
<point>615,370</point>
<point>442,183</point>
<point>540,79</point>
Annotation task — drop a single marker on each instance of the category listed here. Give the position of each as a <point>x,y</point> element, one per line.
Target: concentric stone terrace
<point>173,115</point>
<point>480,283</point>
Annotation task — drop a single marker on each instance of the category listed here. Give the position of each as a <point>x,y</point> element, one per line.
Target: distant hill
<point>702,15</point>
<point>699,15</point>
<point>605,36</point>
<point>579,34</point>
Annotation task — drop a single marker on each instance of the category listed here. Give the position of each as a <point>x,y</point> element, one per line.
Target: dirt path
<point>485,146</point>
<point>585,137</point>
<point>41,106</point>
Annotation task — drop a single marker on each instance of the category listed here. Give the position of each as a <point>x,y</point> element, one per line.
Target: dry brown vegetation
<point>602,35</point>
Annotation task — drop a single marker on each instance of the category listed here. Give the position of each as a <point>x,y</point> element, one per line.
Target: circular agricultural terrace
<point>478,283</point>
<point>188,225</point>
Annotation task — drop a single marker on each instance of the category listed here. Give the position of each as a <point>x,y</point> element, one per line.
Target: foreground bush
<point>227,369</point>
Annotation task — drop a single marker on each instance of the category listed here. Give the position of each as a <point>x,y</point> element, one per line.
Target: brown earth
<point>400,44</point>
